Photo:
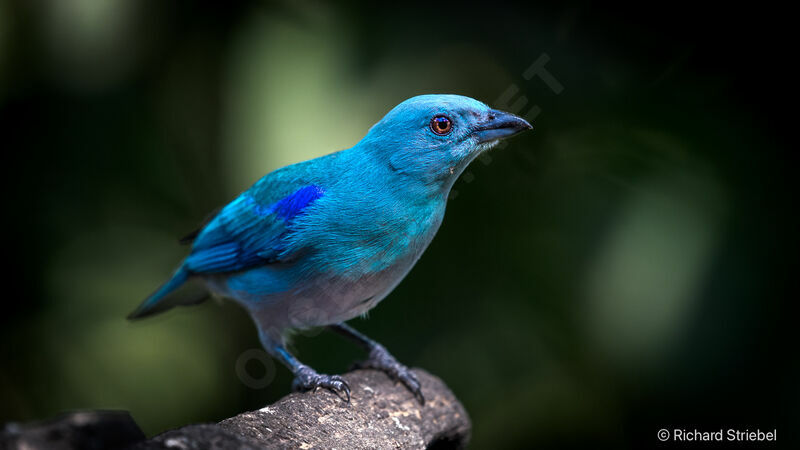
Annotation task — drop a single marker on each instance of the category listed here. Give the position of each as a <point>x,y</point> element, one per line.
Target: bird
<point>320,242</point>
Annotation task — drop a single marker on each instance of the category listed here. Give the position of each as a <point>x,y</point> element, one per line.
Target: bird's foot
<point>381,359</point>
<point>307,379</point>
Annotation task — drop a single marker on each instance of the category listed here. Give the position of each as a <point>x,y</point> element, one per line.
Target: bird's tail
<point>160,300</point>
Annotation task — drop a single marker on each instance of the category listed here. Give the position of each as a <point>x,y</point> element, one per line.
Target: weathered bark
<point>381,414</point>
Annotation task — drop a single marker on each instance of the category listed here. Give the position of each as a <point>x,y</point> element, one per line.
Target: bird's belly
<point>275,301</point>
<point>336,300</point>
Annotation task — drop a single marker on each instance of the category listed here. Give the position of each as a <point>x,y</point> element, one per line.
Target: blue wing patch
<point>291,205</point>
<point>246,233</point>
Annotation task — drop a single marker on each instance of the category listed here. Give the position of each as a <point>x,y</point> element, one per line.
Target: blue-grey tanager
<point>322,241</point>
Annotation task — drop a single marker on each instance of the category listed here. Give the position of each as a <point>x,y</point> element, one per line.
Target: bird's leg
<point>305,378</point>
<point>380,359</point>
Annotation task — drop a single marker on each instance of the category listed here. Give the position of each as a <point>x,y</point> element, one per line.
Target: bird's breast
<point>382,236</point>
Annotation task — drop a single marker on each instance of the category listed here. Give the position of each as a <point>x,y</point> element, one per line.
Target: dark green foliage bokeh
<point>619,270</point>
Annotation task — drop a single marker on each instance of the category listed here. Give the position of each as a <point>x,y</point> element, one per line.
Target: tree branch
<point>381,414</point>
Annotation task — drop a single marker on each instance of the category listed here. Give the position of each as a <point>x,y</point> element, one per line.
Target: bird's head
<point>432,138</point>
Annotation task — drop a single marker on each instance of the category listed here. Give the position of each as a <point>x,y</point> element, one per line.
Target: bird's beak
<point>500,125</point>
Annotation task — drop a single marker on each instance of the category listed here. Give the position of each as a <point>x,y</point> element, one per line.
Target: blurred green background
<point>619,270</point>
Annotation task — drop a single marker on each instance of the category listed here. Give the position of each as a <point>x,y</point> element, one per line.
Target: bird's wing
<point>251,230</point>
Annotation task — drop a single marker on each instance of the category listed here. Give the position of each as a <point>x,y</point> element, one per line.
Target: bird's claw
<point>381,359</point>
<point>306,379</point>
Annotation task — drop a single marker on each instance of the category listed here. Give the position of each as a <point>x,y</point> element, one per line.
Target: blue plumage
<point>322,241</point>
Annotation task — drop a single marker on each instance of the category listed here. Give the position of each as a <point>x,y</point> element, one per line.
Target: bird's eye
<point>441,125</point>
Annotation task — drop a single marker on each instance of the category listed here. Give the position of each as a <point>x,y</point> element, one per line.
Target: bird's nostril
<point>491,116</point>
